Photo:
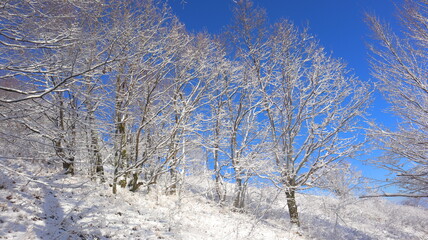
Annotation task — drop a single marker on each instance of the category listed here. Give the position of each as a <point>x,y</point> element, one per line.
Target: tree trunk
<point>68,165</point>
<point>97,168</point>
<point>115,181</point>
<point>240,194</point>
<point>120,138</point>
<point>134,184</point>
<point>60,145</point>
<point>172,188</point>
<point>71,146</point>
<point>292,207</point>
<point>221,193</point>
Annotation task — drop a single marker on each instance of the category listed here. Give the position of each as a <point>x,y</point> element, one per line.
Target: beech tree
<point>16,139</point>
<point>313,107</point>
<point>150,38</point>
<point>400,63</point>
<point>42,47</point>
<point>46,31</point>
<point>195,75</point>
<point>310,102</point>
<point>245,40</point>
<point>212,139</point>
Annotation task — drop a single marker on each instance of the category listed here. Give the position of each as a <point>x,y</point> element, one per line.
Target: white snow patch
<point>38,202</point>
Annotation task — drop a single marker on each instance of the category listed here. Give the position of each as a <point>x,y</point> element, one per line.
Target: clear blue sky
<point>338,24</point>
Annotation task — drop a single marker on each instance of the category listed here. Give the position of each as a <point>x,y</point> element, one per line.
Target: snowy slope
<point>38,202</point>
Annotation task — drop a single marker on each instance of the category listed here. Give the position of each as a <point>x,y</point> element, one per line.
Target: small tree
<point>341,180</point>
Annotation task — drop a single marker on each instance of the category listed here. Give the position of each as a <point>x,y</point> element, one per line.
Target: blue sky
<point>338,24</point>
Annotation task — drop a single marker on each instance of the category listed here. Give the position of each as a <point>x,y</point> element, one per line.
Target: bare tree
<point>16,138</point>
<point>41,39</point>
<point>59,51</point>
<point>245,38</point>
<point>213,141</point>
<point>341,179</point>
<point>310,102</point>
<point>41,46</point>
<point>400,63</point>
<point>149,40</point>
<point>313,106</point>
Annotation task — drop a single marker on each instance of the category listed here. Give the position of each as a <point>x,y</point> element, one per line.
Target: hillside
<point>39,202</point>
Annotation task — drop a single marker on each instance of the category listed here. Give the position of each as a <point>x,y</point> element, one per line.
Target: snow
<point>39,202</point>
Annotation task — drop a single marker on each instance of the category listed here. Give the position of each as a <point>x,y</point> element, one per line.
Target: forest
<point>119,92</point>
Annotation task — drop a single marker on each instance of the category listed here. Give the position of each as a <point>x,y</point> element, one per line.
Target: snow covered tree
<point>42,46</point>
<point>16,137</point>
<point>41,39</point>
<point>195,74</point>
<point>341,180</point>
<point>310,102</point>
<point>149,37</point>
<point>400,63</point>
<point>313,106</point>
<point>214,140</point>
<point>245,41</point>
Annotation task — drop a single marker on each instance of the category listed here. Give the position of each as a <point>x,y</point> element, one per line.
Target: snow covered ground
<point>38,202</point>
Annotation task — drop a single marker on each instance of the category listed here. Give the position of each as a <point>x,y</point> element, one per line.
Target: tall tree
<point>400,63</point>
<point>313,107</point>
<point>246,41</point>
<point>42,46</point>
<point>149,38</point>
<point>310,102</point>
<point>39,39</point>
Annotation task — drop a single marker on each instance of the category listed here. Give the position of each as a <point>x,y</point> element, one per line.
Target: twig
<point>394,195</point>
